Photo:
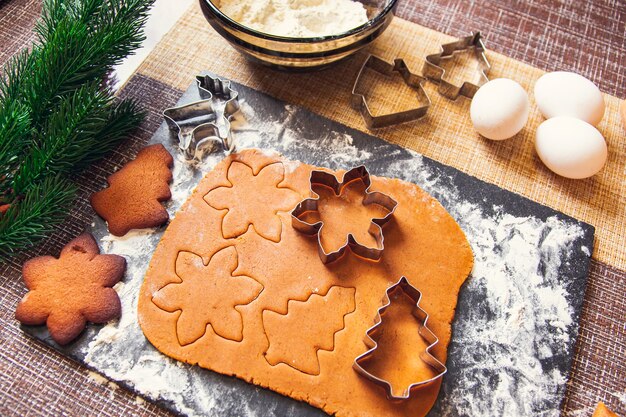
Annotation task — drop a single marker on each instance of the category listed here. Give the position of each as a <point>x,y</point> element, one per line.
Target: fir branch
<point>123,117</point>
<point>29,220</point>
<point>14,70</point>
<point>79,42</point>
<point>14,138</point>
<point>56,113</point>
<point>85,126</point>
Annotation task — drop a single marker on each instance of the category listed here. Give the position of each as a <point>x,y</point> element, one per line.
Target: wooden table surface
<point>588,37</point>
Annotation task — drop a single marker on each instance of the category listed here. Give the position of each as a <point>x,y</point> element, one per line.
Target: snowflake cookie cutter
<point>426,356</point>
<point>327,179</point>
<point>432,66</point>
<point>359,100</point>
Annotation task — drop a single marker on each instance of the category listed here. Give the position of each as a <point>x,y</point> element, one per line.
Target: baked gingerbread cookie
<point>135,193</point>
<point>67,292</point>
<point>603,411</point>
<point>233,287</point>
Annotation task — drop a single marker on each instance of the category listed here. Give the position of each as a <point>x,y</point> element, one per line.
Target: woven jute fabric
<point>586,37</point>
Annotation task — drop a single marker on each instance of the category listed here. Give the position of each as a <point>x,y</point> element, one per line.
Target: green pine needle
<point>31,219</point>
<point>67,136</point>
<point>56,113</point>
<point>15,129</point>
<point>121,119</point>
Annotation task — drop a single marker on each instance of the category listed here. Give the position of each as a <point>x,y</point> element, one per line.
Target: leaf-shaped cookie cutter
<point>432,66</point>
<point>329,180</point>
<point>426,356</point>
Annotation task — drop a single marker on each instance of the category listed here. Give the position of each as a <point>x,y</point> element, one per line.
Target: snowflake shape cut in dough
<point>208,294</point>
<point>253,200</point>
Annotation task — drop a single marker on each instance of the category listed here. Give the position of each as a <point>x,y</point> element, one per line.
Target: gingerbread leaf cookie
<point>253,200</point>
<point>307,327</point>
<point>208,294</point>
<point>133,198</point>
<point>67,292</point>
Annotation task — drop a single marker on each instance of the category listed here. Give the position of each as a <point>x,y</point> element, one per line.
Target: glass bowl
<point>300,53</point>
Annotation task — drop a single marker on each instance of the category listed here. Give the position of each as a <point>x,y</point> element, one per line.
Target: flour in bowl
<point>296,18</point>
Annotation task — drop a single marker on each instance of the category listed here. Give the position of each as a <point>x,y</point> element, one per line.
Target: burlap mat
<point>35,380</point>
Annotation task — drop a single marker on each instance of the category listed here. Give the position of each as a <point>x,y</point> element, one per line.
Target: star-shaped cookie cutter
<point>435,72</point>
<point>359,101</point>
<point>426,356</point>
<point>196,124</point>
<point>329,180</point>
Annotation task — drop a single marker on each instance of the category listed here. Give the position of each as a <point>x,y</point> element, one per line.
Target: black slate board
<point>300,134</point>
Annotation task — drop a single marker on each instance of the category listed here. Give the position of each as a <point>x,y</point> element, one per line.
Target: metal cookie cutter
<point>327,179</point>
<point>415,81</point>
<point>211,87</point>
<point>434,71</point>
<point>193,124</point>
<point>426,356</point>
<point>196,124</point>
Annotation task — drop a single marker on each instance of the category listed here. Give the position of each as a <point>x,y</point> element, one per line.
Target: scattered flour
<point>96,377</point>
<point>523,323</point>
<point>524,319</point>
<point>297,18</point>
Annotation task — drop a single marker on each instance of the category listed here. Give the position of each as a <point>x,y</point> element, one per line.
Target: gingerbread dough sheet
<point>234,288</point>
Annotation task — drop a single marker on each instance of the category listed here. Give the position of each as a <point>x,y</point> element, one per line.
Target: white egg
<point>571,147</point>
<point>500,109</point>
<point>568,94</point>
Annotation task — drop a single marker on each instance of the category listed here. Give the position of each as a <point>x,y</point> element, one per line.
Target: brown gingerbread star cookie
<point>67,292</point>
<point>135,193</point>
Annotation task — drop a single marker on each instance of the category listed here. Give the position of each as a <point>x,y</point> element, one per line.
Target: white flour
<point>296,18</point>
<point>517,261</point>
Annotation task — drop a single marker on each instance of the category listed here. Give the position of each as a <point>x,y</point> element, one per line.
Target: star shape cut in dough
<point>208,294</point>
<point>253,200</point>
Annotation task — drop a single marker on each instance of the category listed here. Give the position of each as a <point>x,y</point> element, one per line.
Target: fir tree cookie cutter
<point>359,100</point>
<point>432,66</point>
<point>438,368</point>
<point>196,124</point>
<point>327,179</point>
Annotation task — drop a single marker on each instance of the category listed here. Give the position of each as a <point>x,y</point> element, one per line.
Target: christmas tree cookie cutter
<point>327,179</point>
<point>426,356</point>
<point>359,100</point>
<point>432,66</point>
<point>196,124</point>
